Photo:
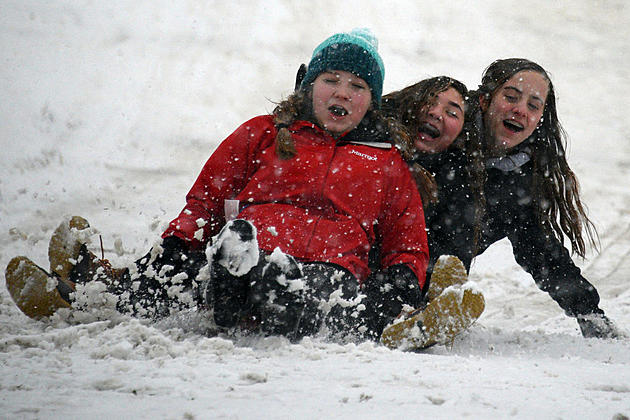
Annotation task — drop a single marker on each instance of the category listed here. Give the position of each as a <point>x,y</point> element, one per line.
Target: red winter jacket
<point>329,203</point>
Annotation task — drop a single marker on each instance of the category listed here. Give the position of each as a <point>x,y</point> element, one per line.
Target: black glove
<point>176,253</point>
<point>173,248</point>
<point>179,258</point>
<point>300,76</point>
<point>386,292</point>
<point>597,325</point>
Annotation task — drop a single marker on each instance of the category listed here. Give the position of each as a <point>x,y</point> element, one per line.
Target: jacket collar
<point>510,162</point>
<point>364,134</point>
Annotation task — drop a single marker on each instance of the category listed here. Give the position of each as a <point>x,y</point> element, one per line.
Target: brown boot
<point>37,293</point>
<point>65,243</point>
<point>447,271</point>
<point>444,318</point>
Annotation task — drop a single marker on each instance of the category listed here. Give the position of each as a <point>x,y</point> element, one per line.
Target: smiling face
<point>340,101</point>
<point>515,109</point>
<point>442,123</point>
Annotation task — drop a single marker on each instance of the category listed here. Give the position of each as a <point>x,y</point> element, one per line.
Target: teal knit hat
<point>355,52</point>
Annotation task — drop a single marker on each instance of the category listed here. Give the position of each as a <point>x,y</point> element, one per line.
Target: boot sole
<point>63,248</point>
<point>32,289</point>
<point>448,271</point>
<point>440,322</point>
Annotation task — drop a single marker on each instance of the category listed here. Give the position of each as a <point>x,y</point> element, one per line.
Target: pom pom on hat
<point>355,52</point>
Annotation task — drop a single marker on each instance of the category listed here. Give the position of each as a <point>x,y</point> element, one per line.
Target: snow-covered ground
<point>109,109</point>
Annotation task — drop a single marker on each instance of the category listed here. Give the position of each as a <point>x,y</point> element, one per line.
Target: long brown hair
<point>555,189</point>
<point>412,103</point>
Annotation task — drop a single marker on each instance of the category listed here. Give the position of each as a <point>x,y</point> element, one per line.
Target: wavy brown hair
<point>375,126</point>
<point>412,103</point>
<point>555,188</point>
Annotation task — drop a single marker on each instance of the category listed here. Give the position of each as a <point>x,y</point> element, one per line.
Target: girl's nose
<point>342,92</point>
<point>435,114</point>
<point>520,108</point>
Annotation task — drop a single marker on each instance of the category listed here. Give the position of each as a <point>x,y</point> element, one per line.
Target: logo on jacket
<point>363,155</point>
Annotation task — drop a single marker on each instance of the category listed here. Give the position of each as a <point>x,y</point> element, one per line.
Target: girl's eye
<point>358,86</point>
<point>533,107</point>
<point>453,114</point>
<point>511,98</point>
<point>331,81</point>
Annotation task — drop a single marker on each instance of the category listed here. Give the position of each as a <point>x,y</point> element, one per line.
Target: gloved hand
<point>179,258</point>
<point>597,325</point>
<point>176,254</point>
<point>386,292</point>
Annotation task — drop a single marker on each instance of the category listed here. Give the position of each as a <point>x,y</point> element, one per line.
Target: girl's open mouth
<point>513,126</point>
<point>429,129</point>
<point>338,111</point>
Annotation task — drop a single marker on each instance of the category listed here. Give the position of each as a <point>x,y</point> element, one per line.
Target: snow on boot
<point>447,271</point>
<point>37,293</point>
<point>65,243</point>
<point>444,318</point>
<point>235,247</point>
<point>231,257</point>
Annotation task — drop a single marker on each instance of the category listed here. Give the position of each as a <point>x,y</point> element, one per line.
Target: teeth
<point>513,125</point>
<point>338,110</point>
<point>430,130</point>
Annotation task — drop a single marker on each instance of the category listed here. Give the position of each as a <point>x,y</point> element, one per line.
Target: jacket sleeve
<point>552,268</point>
<point>223,176</point>
<point>401,228</point>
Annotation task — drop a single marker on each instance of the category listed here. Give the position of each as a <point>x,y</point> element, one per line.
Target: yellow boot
<point>65,244</point>
<point>446,316</point>
<point>37,293</point>
<point>447,271</point>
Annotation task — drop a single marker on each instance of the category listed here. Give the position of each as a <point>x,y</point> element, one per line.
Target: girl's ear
<point>484,101</point>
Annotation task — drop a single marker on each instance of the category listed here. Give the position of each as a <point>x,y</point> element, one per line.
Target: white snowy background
<point>108,109</point>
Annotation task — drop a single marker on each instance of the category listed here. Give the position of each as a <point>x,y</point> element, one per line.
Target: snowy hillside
<point>109,110</point>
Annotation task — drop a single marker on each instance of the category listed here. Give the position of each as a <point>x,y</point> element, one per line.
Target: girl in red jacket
<point>315,185</point>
